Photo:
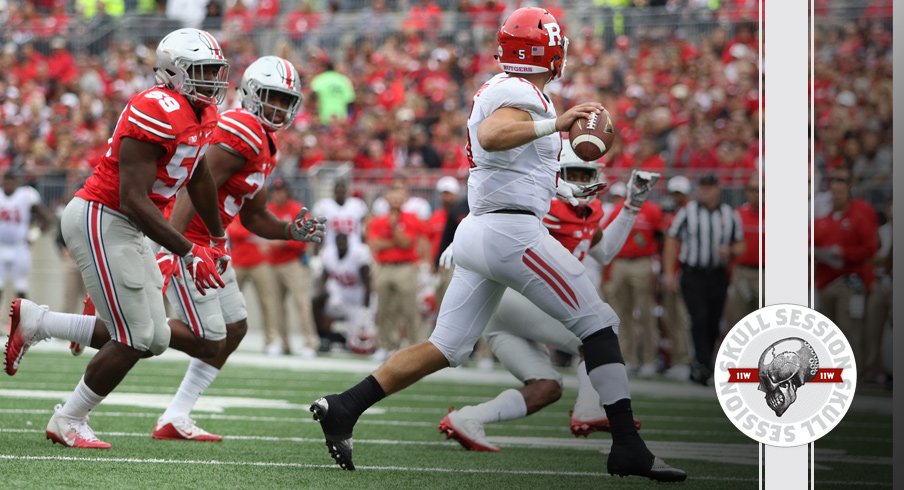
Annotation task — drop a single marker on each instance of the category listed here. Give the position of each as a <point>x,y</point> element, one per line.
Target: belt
<point>511,211</point>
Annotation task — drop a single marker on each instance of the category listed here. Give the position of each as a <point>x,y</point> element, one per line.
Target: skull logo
<point>784,367</point>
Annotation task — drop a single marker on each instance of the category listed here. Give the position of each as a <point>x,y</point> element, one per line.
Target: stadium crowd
<point>389,99</point>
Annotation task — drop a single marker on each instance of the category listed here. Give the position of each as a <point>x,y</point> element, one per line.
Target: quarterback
<point>513,146</point>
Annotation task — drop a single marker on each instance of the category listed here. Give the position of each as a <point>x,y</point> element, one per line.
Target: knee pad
<point>159,343</point>
<point>602,348</point>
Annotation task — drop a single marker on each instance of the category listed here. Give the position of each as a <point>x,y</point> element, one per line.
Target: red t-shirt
<point>641,241</point>
<point>284,251</point>
<point>244,246</point>
<point>435,226</point>
<point>856,231</point>
<point>750,220</point>
<point>410,225</point>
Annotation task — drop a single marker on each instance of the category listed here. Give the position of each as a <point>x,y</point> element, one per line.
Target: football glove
<point>168,266</point>
<point>569,192</point>
<point>219,244</point>
<point>306,229</point>
<point>640,184</point>
<point>201,263</point>
<point>446,259</point>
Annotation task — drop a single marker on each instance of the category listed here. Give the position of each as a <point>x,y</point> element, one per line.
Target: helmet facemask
<point>201,81</point>
<point>273,107</point>
<point>580,175</point>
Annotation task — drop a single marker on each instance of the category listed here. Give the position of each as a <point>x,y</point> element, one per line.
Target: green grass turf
<point>399,448</point>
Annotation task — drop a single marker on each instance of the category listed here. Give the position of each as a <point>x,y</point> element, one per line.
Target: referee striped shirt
<point>702,230</point>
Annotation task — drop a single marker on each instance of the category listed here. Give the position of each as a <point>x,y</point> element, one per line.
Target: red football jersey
<point>242,133</point>
<point>572,230</point>
<point>641,241</point>
<point>163,117</point>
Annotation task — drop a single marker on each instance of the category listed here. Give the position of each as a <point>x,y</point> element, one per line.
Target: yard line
<point>17,457</point>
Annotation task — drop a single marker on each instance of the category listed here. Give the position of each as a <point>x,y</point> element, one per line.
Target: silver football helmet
<point>265,80</point>
<point>191,62</point>
<point>578,172</point>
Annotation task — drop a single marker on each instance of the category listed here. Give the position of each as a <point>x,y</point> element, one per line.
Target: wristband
<point>286,231</point>
<point>545,127</point>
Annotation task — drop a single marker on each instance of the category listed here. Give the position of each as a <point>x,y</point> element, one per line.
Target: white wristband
<point>545,127</point>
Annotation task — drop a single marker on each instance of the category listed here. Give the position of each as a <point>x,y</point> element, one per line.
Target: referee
<point>709,234</point>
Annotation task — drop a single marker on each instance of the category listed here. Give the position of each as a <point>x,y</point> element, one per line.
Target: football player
<point>345,286</point>
<point>513,146</point>
<point>155,150</point>
<point>519,332</point>
<point>17,203</point>
<point>210,324</point>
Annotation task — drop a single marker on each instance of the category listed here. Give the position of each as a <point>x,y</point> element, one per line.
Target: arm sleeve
<point>614,237</point>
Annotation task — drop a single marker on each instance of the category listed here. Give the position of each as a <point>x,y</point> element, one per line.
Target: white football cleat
<point>72,432</point>
<point>467,431</point>
<point>183,429</point>
<point>24,319</point>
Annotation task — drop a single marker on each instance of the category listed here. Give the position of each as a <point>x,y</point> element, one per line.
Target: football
<point>591,138</point>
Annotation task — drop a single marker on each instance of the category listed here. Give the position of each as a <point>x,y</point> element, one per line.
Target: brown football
<point>592,138</point>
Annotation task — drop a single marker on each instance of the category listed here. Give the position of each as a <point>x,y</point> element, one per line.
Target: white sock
<point>588,399</point>
<point>508,405</point>
<point>611,382</point>
<point>82,401</point>
<point>68,326</point>
<point>197,379</point>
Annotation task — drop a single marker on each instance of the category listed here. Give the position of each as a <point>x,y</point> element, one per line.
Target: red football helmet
<point>531,41</point>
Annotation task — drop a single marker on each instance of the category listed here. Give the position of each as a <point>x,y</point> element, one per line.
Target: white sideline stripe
<point>212,462</point>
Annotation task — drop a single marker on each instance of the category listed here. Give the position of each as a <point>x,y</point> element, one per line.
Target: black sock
<point>362,396</point>
<point>621,419</point>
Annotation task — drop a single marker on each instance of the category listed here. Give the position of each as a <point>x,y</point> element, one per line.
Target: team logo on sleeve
<point>785,375</point>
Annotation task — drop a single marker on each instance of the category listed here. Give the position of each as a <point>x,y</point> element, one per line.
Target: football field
<point>260,405</point>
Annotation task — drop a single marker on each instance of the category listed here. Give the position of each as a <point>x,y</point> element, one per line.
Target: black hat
<point>708,179</point>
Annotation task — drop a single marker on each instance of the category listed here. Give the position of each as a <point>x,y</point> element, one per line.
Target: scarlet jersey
<point>572,226</point>
<point>240,132</point>
<point>163,117</point>
<point>856,232</point>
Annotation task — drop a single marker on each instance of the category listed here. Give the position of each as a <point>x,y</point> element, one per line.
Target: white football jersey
<point>15,214</point>
<point>415,205</point>
<point>520,178</point>
<point>344,273</point>
<point>345,218</point>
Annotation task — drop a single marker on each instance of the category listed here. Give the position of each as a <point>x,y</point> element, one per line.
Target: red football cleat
<point>468,432</point>
<point>583,426</point>
<point>24,316</point>
<point>183,429</point>
<point>72,432</point>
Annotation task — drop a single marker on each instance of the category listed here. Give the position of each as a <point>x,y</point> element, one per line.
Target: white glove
<point>640,184</point>
<point>445,258</point>
<point>304,229</point>
<point>569,192</point>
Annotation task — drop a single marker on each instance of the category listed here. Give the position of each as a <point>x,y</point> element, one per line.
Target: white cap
<point>680,184</point>
<point>448,184</point>
<point>618,189</point>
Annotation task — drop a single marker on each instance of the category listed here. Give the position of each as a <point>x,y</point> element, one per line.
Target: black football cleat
<point>339,445</point>
<point>625,460</point>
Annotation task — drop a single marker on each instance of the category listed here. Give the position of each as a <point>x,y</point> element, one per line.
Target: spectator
<point>709,234</point>
<point>879,306</point>
<point>289,262</point>
<point>629,288</point>
<point>250,262</point>
<point>744,290</point>
<point>413,204</point>
<point>394,239</point>
<point>334,94</point>
<point>845,241</point>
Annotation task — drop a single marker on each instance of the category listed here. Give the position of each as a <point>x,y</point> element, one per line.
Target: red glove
<point>201,263</point>
<point>168,267</point>
<point>219,244</point>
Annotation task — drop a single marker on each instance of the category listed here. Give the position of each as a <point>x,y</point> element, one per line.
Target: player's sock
<point>82,401</point>
<point>587,398</point>
<point>346,407</point>
<point>508,405</point>
<point>68,326</point>
<point>606,370</point>
<point>197,379</point>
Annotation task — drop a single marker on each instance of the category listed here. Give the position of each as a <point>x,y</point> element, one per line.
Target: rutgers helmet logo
<point>555,33</point>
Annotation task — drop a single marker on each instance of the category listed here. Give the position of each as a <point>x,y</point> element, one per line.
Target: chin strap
<point>614,236</point>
